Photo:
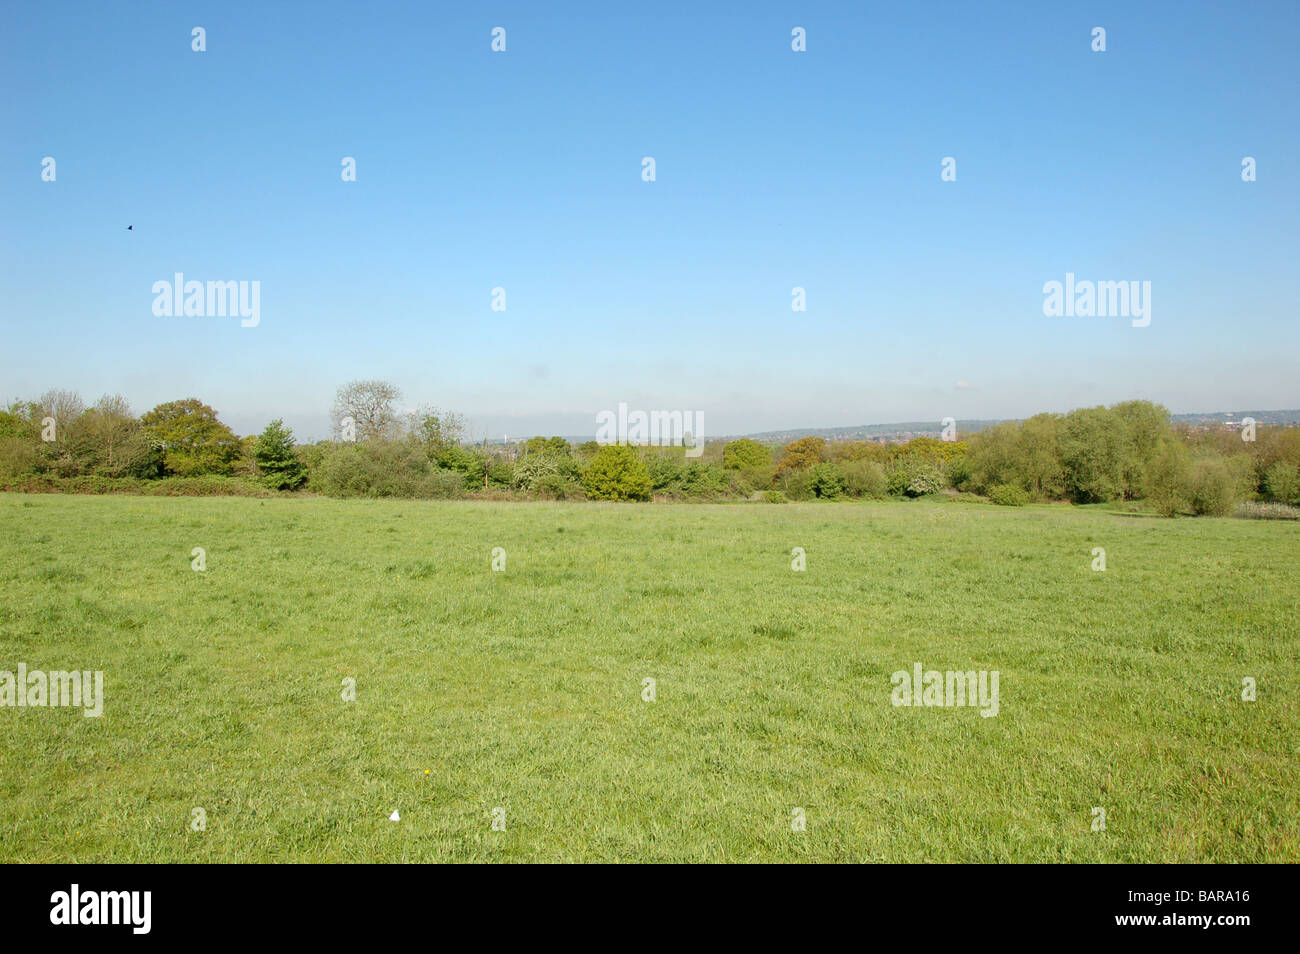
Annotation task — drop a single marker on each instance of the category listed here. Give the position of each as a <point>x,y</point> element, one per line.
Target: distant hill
<point>1275,418</point>
<point>904,431</point>
<point>907,430</point>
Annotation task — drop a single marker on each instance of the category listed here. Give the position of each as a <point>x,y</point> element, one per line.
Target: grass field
<point>522,689</point>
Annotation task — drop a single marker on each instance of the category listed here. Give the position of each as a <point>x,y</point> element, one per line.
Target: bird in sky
<point>130,227</point>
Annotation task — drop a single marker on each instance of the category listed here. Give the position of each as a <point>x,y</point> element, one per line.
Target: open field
<point>522,689</point>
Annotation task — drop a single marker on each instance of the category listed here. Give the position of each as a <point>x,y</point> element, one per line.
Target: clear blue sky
<point>775,169</point>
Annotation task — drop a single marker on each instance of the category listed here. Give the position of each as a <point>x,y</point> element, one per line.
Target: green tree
<point>1213,486</point>
<point>995,456</point>
<point>1168,486</point>
<point>616,473</point>
<point>192,440</point>
<point>827,481</point>
<point>1282,483</point>
<point>555,446</point>
<point>436,430</point>
<point>276,458</point>
<point>1092,454</point>
<point>801,454</point>
<point>744,454</point>
<point>109,432</point>
<point>1038,456</point>
<point>1145,426</point>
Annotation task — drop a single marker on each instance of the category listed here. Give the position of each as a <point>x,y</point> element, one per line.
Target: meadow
<point>522,689</point>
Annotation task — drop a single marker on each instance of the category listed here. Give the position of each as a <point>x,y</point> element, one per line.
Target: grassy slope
<point>522,689</point>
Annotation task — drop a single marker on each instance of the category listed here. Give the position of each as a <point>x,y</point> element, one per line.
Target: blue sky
<point>774,169</point>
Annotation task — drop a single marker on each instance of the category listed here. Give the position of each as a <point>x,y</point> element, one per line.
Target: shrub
<point>1213,487</point>
<point>827,481</point>
<point>958,473</point>
<point>471,464</point>
<point>666,473</point>
<point>1169,479</point>
<point>212,485</point>
<point>865,478</point>
<point>795,484</point>
<point>17,458</point>
<point>500,473</point>
<point>1008,495</point>
<point>558,487</point>
<point>616,473</point>
<point>383,469</point>
<point>532,468</point>
<point>914,476</point>
<point>704,481</point>
<point>440,485</point>
<point>1245,479</point>
<point>1282,483</point>
<point>774,497</point>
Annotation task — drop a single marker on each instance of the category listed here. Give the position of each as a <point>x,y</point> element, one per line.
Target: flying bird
<point>130,227</point>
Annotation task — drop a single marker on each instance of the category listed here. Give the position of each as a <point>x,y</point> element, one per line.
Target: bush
<point>1282,483</point>
<point>380,468</point>
<point>914,476</point>
<point>774,497</point>
<point>865,478</point>
<point>1245,479</point>
<point>795,485</point>
<point>666,473</point>
<point>440,485</point>
<point>616,473</point>
<point>827,481</point>
<point>701,480</point>
<point>558,487</point>
<point>532,468</point>
<point>959,473</point>
<point>469,463</point>
<point>1213,487</point>
<point>500,473</point>
<point>17,458</point>
<point>1169,479</point>
<point>1008,495</point>
<point>209,486</point>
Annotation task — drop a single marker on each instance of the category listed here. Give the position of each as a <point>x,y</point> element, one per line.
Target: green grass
<point>522,689</point>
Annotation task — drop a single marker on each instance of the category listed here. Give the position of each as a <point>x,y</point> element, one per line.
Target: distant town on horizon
<point>907,430</point>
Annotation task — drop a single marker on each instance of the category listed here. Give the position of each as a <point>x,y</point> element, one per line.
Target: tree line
<point>1125,452</point>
